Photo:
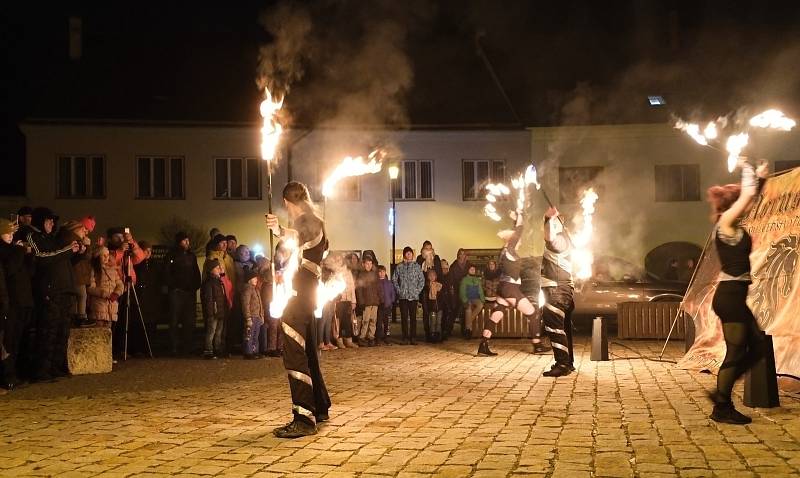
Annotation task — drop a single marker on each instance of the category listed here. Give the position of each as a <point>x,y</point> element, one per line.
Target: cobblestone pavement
<point>405,411</point>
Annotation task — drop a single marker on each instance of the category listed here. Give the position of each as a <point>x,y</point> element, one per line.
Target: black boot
<point>726,413</point>
<point>559,370</point>
<point>295,429</point>
<point>483,348</point>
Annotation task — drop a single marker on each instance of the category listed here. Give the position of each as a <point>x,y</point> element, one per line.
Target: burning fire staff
<point>557,285</point>
<point>509,293</point>
<point>310,400</point>
<point>742,334</point>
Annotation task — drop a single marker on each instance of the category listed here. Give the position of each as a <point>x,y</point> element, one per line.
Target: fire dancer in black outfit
<point>739,326</point>
<point>557,286</point>
<point>310,400</point>
<point>509,292</point>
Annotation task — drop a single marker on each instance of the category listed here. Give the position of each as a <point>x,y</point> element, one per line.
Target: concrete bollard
<point>599,340</point>
<point>761,381</point>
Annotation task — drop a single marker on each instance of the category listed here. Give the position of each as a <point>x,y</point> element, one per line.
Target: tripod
<point>130,290</point>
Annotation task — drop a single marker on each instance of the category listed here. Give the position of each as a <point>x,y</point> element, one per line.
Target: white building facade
<point>651,180</point>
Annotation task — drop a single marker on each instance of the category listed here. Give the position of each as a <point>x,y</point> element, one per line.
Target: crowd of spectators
<point>56,276</point>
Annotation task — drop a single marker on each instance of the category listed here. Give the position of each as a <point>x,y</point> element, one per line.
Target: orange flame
<point>271,129</point>
<point>326,292</point>
<point>734,146</point>
<point>772,119</point>
<point>350,167</point>
<point>283,290</point>
<point>582,257</point>
<point>693,130</point>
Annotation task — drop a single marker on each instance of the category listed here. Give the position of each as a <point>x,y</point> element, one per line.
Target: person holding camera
<point>126,253</point>
<point>16,260</point>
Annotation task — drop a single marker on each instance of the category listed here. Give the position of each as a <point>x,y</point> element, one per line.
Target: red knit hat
<point>88,222</point>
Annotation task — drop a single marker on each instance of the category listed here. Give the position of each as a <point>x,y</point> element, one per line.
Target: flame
<point>531,177</point>
<point>350,167</point>
<point>582,257</point>
<point>693,130</point>
<point>711,131</point>
<point>271,129</point>
<point>542,300</point>
<point>283,291</point>
<point>772,119</point>
<point>326,292</point>
<point>491,212</point>
<point>496,192</point>
<point>734,146</point>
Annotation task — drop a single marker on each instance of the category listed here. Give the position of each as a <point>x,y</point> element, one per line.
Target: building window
<point>415,181</point>
<point>159,177</point>
<point>677,182</point>
<point>237,178</point>
<point>786,165</point>
<point>476,174</point>
<point>81,176</point>
<point>572,181</point>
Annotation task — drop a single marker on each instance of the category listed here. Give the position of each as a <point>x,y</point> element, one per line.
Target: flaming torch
<point>270,138</point>
<point>282,290</point>
<point>350,167</point>
<point>326,292</point>
<point>772,119</point>
<point>734,146</point>
<point>582,256</point>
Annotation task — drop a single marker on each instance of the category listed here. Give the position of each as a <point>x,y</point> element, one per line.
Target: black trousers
<point>16,326</point>
<point>741,331</point>
<point>408,313</point>
<point>556,316</point>
<point>426,314</point>
<point>52,334</point>
<point>182,311</point>
<point>301,360</point>
<point>344,311</point>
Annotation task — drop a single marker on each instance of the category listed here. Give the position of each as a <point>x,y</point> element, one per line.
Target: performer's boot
<point>559,370</point>
<point>295,429</point>
<point>483,348</point>
<point>724,411</point>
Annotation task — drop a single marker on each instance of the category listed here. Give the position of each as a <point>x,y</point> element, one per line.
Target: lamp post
<point>394,172</point>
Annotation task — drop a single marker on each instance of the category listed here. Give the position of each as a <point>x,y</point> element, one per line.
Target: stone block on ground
<point>89,350</point>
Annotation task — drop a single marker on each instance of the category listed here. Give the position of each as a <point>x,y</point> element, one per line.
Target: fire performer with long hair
<point>729,204</point>
<point>310,400</point>
<point>509,292</point>
<point>558,288</point>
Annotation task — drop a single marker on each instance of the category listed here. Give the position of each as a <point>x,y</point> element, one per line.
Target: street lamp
<point>394,172</point>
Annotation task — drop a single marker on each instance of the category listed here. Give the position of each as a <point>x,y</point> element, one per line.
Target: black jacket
<point>215,304</point>
<point>53,260</point>
<point>19,269</point>
<point>5,305</point>
<point>181,271</point>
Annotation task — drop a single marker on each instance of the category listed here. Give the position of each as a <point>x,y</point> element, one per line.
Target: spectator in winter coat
<point>24,221</point>
<point>271,336</point>
<point>368,296</point>
<point>82,266</point>
<point>471,294</point>
<point>105,288</point>
<point>225,260</point>
<point>491,281</point>
<point>119,241</point>
<point>151,301</point>
<point>409,281</point>
<point>428,260</point>
<point>447,299</point>
<point>54,293</point>
<point>182,277</point>
<point>232,244</point>
<point>432,297</point>
<point>215,310</point>
<point>17,263</point>
<point>388,296</point>
<point>253,311</point>
<point>459,270</point>
<point>345,309</point>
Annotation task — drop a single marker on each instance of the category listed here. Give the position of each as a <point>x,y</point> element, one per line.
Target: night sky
<point>582,62</point>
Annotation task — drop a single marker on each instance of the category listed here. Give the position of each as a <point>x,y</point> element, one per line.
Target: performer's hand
<point>551,212</point>
<point>762,170</point>
<point>272,224</point>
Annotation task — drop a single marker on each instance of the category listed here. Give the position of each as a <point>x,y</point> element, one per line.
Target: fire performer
<point>310,400</point>
<point>739,327</point>
<point>558,286</point>
<point>509,293</point>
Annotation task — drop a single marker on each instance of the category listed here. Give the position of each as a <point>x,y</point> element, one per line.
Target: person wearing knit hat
<point>25,216</point>
<point>182,278</point>
<point>88,222</point>
<point>216,309</point>
<point>180,236</point>
<point>233,243</point>
<point>253,312</point>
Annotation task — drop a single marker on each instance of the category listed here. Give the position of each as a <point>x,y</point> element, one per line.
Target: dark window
<point>786,165</point>
<point>159,177</point>
<point>677,182</point>
<point>237,178</point>
<point>81,177</point>
<point>477,174</point>
<point>572,181</point>
<point>415,180</point>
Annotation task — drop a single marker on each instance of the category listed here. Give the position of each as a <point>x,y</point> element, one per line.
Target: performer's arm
<point>748,192</point>
<point>557,240</point>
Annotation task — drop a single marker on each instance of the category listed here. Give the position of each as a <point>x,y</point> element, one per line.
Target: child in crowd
<point>471,294</point>
<point>434,289</point>
<point>388,296</point>
<point>105,288</point>
<point>253,311</point>
<point>368,295</point>
<point>216,308</point>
